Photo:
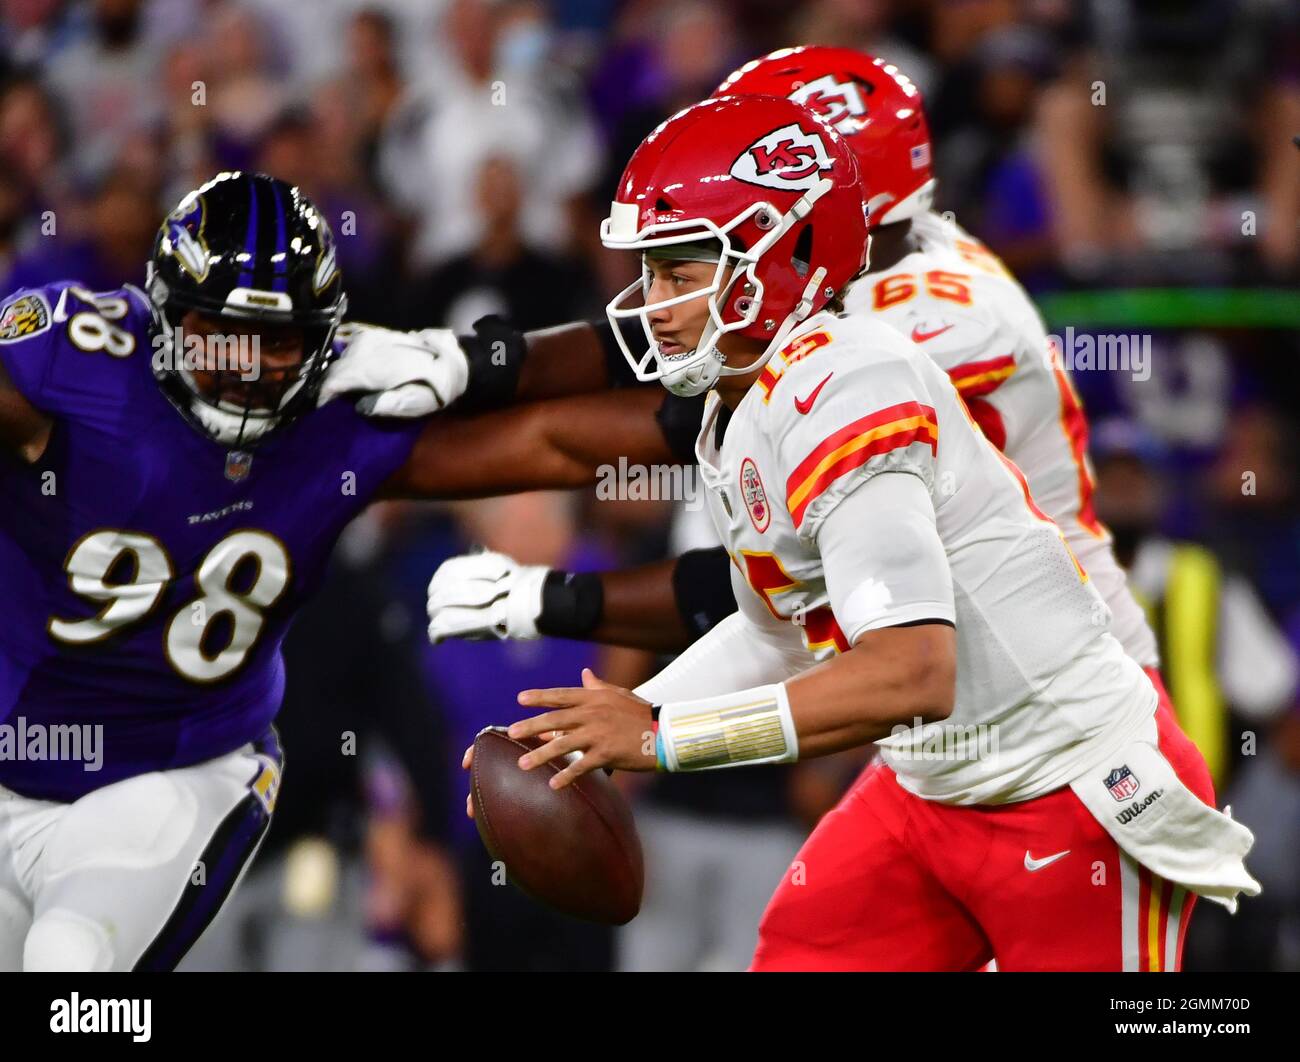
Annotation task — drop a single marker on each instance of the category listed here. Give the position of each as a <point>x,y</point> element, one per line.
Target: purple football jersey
<point>150,573</point>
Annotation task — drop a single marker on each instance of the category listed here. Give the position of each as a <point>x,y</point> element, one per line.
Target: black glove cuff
<point>572,604</point>
<point>496,352</point>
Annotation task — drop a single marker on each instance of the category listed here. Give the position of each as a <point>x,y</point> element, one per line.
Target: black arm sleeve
<point>679,419</point>
<point>702,587</point>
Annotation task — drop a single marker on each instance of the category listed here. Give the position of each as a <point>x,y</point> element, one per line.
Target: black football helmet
<point>250,253</point>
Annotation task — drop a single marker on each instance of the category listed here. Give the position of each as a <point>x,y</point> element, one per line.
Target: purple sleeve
<point>57,373</point>
<point>27,341</point>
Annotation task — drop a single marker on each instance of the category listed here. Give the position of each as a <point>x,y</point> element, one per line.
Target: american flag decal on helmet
<point>920,156</point>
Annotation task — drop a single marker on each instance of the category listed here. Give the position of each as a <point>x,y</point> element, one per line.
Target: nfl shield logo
<point>238,463</point>
<point>1122,783</point>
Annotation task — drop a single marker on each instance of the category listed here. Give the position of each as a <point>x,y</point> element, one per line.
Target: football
<point>575,849</point>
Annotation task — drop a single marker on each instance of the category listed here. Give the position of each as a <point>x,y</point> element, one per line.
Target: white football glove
<point>398,374</point>
<point>485,595</point>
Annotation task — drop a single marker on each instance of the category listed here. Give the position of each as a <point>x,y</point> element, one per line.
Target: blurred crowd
<point>464,152</point>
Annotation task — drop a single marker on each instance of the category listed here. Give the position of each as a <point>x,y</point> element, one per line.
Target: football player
<point>927,278</point>
<point>172,481</point>
<point>897,584</point>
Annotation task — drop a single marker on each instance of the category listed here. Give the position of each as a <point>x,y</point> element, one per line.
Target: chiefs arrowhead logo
<point>838,103</point>
<point>787,159</point>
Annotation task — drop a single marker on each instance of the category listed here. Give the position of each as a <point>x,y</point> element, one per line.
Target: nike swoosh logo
<point>920,337</point>
<point>803,405</point>
<point>1032,864</point>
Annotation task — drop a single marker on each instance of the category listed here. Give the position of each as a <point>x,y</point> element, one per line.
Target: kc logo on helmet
<point>838,103</point>
<point>1122,783</point>
<point>787,159</point>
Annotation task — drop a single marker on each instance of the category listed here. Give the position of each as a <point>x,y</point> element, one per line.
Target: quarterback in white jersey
<point>930,280</point>
<point>897,582</point>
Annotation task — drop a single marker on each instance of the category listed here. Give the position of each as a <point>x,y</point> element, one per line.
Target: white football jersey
<point>1038,671</point>
<point>958,302</point>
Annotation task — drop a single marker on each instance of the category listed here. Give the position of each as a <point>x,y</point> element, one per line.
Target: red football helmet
<point>770,186</point>
<point>878,110</point>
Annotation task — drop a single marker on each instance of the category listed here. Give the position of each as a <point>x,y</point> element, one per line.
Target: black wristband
<point>496,352</point>
<point>572,604</point>
<point>702,588</point>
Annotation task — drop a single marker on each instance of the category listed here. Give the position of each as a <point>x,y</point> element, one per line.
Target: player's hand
<point>608,725</point>
<point>398,374</point>
<point>485,595</point>
<point>467,763</point>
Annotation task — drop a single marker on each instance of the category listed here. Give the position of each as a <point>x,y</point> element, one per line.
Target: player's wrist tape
<point>495,353</point>
<point>572,604</point>
<point>747,727</point>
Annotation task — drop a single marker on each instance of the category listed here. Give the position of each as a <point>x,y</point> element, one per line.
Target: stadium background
<point>1132,162</point>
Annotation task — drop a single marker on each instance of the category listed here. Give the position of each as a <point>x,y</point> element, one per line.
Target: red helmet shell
<point>877,109</point>
<point>718,159</point>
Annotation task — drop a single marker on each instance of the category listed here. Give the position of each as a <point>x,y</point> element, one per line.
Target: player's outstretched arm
<point>24,430</point>
<point>411,374</point>
<point>508,366</point>
<point>663,606</point>
<point>571,359</point>
<point>556,445</point>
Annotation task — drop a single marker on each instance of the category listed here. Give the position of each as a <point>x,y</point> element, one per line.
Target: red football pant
<point>888,881</point>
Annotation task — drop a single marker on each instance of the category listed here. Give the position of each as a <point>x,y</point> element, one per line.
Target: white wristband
<point>746,727</point>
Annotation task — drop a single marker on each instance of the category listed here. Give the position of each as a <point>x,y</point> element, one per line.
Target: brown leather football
<point>575,849</point>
